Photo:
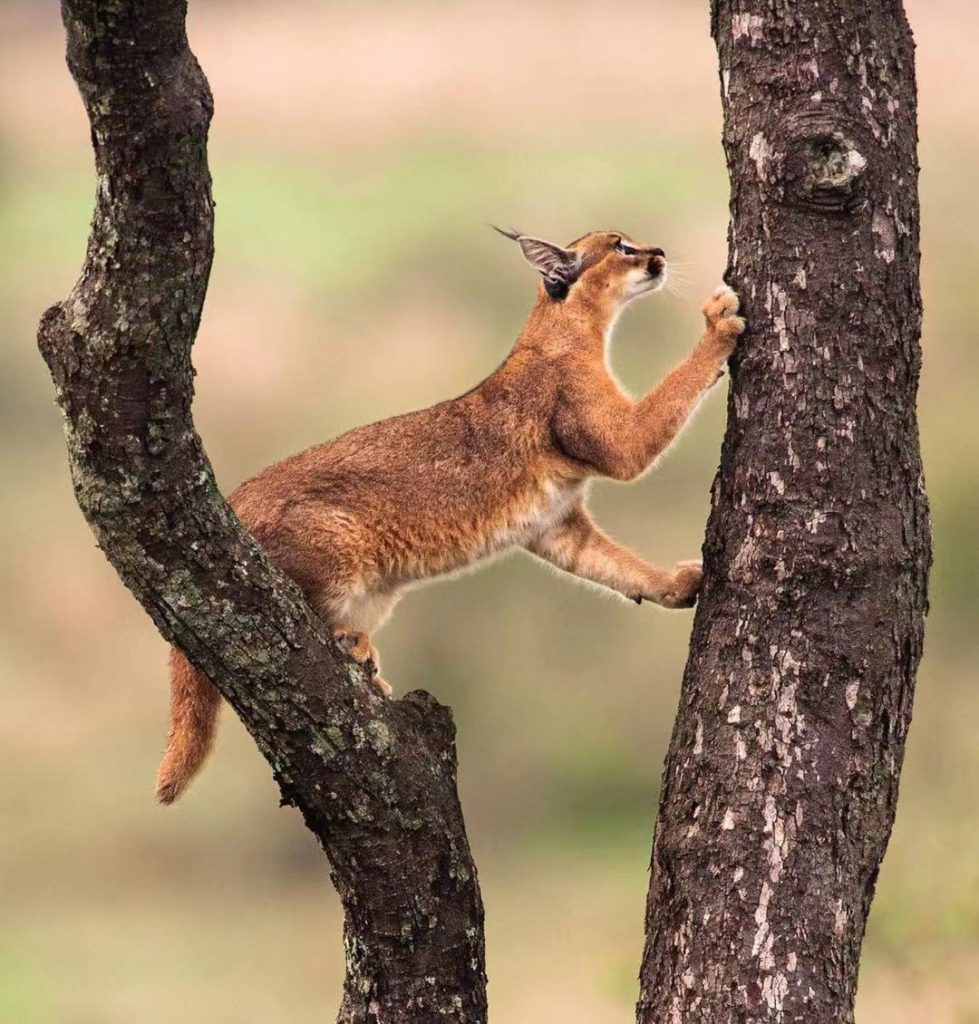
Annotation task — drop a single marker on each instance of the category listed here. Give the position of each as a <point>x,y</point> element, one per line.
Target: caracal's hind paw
<point>357,645</point>
<point>360,648</point>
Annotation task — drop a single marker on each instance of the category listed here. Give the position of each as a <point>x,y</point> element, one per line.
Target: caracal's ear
<point>558,266</point>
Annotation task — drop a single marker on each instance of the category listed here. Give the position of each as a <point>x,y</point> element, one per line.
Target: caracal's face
<point>620,266</point>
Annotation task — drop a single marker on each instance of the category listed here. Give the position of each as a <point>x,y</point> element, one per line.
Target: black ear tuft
<point>557,290</point>
<point>510,233</point>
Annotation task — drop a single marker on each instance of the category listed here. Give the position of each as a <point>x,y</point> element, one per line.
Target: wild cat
<point>358,520</point>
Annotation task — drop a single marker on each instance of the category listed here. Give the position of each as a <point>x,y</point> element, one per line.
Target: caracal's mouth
<point>653,281</point>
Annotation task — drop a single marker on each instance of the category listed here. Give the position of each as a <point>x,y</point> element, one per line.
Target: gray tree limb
<point>374,779</point>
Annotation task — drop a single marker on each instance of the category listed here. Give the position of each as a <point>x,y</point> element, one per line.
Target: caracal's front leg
<point>578,546</point>
<point>599,426</point>
<point>662,414</point>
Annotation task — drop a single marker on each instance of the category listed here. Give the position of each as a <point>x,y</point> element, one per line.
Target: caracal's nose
<point>657,262</point>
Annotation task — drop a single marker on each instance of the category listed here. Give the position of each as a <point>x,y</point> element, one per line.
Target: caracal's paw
<point>357,645</point>
<point>684,586</point>
<point>360,648</point>
<point>721,314</point>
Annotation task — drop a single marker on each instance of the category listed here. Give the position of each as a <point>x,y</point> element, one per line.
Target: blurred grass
<point>354,279</point>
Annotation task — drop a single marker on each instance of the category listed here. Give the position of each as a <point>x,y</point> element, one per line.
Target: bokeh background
<point>357,150</point>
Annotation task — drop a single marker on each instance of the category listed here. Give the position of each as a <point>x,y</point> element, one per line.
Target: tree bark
<point>782,775</point>
<point>374,779</point>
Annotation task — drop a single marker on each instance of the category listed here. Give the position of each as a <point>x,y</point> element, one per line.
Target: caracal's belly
<point>429,548</point>
<point>530,515</point>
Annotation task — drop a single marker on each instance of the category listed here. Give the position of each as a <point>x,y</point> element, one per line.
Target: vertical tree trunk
<point>374,779</point>
<point>782,774</point>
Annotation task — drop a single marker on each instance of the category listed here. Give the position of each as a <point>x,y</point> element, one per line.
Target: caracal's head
<point>608,264</point>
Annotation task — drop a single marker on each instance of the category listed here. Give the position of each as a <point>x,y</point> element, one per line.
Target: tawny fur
<point>358,520</point>
<point>194,706</point>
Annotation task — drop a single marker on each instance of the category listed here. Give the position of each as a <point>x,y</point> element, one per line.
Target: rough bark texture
<point>374,779</point>
<point>782,775</point>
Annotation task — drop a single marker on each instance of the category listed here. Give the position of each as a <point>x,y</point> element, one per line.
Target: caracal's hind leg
<point>355,614</point>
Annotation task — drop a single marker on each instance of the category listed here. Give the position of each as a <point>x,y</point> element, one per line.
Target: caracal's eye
<point>626,250</point>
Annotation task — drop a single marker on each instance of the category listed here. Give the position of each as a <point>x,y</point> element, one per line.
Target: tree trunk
<point>782,775</point>
<point>374,779</point>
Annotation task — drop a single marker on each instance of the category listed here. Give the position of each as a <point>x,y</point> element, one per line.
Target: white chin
<point>648,286</point>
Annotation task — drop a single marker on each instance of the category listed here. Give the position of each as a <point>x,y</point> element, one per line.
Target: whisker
<point>677,289</point>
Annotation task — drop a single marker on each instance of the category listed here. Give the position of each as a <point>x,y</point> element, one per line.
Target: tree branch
<point>781,780</point>
<point>374,779</point>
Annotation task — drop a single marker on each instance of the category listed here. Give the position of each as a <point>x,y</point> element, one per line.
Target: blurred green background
<point>357,150</point>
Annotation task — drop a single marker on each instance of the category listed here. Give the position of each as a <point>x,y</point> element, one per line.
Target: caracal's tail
<point>194,704</point>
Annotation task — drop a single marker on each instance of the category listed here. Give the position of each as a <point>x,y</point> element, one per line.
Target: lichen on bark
<point>375,780</point>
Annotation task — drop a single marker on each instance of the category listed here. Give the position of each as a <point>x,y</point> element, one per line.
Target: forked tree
<point>782,775</point>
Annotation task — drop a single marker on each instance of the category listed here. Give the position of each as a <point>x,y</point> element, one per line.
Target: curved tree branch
<point>782,775</point>
<point>374,779</point>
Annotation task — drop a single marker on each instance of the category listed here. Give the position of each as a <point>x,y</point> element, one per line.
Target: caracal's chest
<point>533,512</point>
